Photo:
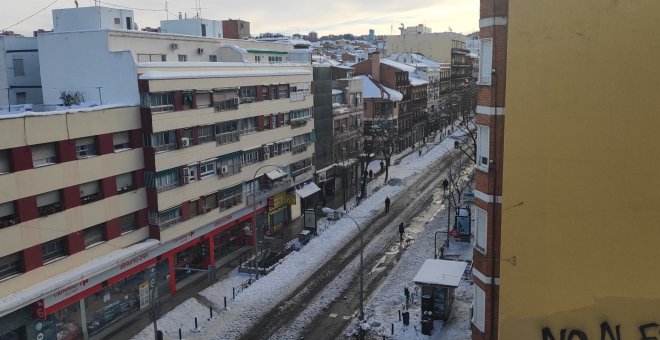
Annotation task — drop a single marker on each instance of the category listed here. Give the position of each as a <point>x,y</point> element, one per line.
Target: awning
<point>440,273</point>
<point>276,174</point>
<point>307,190</point>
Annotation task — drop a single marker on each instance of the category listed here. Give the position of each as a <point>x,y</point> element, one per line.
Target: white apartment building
<point>20,81</point>
<point>163,166</point>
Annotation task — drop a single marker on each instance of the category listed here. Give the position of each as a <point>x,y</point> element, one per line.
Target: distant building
<point>435,46</point>
<point>92,18</point>
<point>235,29</point>
<point>372,36</point>
<point>313,36</point>
<point>419,29</point>
<point>20,79</point>
<point>193,26</point>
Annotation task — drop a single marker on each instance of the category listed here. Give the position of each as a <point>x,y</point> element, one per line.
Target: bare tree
<point>466,97</point>
<point>459,177</point>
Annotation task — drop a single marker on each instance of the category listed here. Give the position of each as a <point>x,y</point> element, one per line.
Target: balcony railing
<point>44,161</point>
<point>9,220</point>
<point>162,108</point>
<point>297,96</point>
<point>126,188</point>
<point>299,148</point>
<point>296,173</point>
<point>230,202</point>
<point>229,170</point>
<point>248,99</point>
<point>90,198</point>
<point>205,139</point>
<point>299,122</point>
<point>169,222</point>
<point>166,187</point>
<point>165,147</point>
<point>226,105</point>
<point>228,137</point>
<point>50,209</point>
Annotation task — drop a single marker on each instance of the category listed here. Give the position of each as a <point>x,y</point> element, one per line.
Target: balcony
<point>296,173</point>
<point>168,186</point>
<point>44,161</point>
<point>226,105</point>
<point>162,108</point>
<point>299,122</point>
<point>229,170</point>
<point>9,220</point>
<point>248,100</point>
<point>169,222</point>
<point>299,148</point>
<point>50,209</point>
<point>228,137</point>
<point>230,202</point>
<point>264,193</point>
<point>205,139</point>
<point>297,96</point>
<point>165,147</point>
<point>126,188</point>
<point>91,198</point>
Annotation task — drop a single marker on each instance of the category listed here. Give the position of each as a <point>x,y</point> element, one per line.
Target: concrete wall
<point>435,46</point>
<point>91,18</point>
<point>192,27</point>
<point>580,161</point>
<point>25,49</point>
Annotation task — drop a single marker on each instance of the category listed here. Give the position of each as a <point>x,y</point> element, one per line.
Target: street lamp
<point>328,211</point>
<point>447,198</point>
<point>254,213</point>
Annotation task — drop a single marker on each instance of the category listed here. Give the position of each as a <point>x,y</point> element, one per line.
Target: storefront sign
<point>223,220</point>
<point>647,331</point>
<point>182,239</point>
<point>278,200</point>
<point>39,310</point>
<point>134,261</point>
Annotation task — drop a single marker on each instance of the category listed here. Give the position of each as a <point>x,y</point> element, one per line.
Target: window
<point>158,102</point>
<point>125,182</point>
<point>257,58</point>
<point>194,208</point>
<point>481,222</point>
<point>483,146</point>
<point>250,156</point>
<point>19,70</point>
<point>8,215</point>
<point>479,308</point>
<point>147,58</point>
<point>205,134</point>
<point>190,173</point>
<point>21,98</point>
<point>43,154</point>
<point>121,141</point>
<point>10,265</point>
<point>94,235</point>
<point>209,202</point>
<point>213,58</point>
<point>169,217</point>
<point>53,250</point>
<point>117,21</point>
<point>4,162</point>
<point>204,99</point>
<point>128,223</point>
<point>49,203</point>
<point>164,141</point>
<point>485,61</point>
<point>85,147</point>
<point>90,192</point>
<point>167,179</point>
<point>207,168</point>
<point>183,57</point>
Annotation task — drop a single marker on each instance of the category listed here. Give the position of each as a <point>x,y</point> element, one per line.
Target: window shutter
<point>124,180</point>
<point>84,141</point>
<point>486,61</point>
<point>120,138</point>
<point>6,209</point>
<point>43,151</point>
<point>479,308</point>
<point>48,198</point>
<point>482,228</point>
<point>4,161</point>
<point>89,188</point>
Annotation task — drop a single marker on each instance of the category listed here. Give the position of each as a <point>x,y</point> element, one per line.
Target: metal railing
<point>296,173</point>
<point>168,223</point>
<point>91,198</point>
<point>228,137</point>
<point>229,170</point>
<point>166,187</point>
<point>165,147</point>
<point>44,161</point>
<point>162,108</point>
<point>299,148</point>
<point>206,139</point>
<point>230,202</point>
<point>50,209</point>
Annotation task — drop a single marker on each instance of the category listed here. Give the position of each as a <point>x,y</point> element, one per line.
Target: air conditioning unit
<point>185,142</point>
<point>200,51</point>
<point>174,46</point>
<point>224,169</point>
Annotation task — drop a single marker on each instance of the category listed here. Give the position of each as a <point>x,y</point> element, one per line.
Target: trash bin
<point>406,318</point>
<point>159,335</point>
<point>303,236</point>
<point>427,326</point>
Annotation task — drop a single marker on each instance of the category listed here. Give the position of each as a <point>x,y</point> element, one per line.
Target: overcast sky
<point>287,16</point>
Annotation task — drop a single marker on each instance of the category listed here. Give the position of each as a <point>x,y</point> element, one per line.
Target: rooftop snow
<point>59,110</point>
<point>441,272</point>
<point>398,65</point>
<point>414,81</point>
<point>335,91</point>
<point>307,190</point>
<point>155,75</point>
<point>371,90</point>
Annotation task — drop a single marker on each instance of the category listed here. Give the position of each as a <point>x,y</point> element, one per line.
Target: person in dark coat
<point>371,175</point>
<point>387,204</point>
<point>401,230</point>
<point>382,166</point>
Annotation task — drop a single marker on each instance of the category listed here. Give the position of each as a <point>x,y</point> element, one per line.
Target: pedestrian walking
<point>401,231</point>
<point>371,174</point>
<point>406,293</point>
<point>247,232</point>
<point>387,204</point>
<point>420,151</point>
<point>382,166</point>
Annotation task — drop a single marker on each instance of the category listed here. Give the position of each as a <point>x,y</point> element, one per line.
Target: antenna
<point>167,15</point>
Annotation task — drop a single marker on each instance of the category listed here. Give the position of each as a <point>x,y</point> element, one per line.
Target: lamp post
<point>447,198</point>
<point>330,211</point>
<point>254,213</point>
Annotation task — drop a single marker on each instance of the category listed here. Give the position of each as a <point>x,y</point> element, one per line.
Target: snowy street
<point>316,289</point>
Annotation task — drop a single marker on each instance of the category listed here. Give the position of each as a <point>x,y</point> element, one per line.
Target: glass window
<point>49,203</point>
<point>64,323</point>
<point>167,179</point>
<point>90,192</point>
<point>128,223</point>
<point>207,169</point>
<point>4,162</point>
<point>481,223</point>
<point>85,147</point>
<point>10,265</point>
<point>206,134</point>
<point>125,182</point>
<point>19,70</point>
<point>121,140</point>
<point>43,154</point>
<point>8,216</point>
<point>94,235</point>
<point>183,57</point>
<point>54,249</point>
<point>213,58</point>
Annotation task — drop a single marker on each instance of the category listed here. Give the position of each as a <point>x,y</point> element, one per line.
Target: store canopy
<point>440,273</point>
<point>307,190</point>
<point>276,174</point>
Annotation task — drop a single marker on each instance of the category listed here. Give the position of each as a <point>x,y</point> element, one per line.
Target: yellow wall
<point>582,153</point>
<point>435,46</point>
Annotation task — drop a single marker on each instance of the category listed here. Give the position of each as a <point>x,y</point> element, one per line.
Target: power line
<point>35,13</point>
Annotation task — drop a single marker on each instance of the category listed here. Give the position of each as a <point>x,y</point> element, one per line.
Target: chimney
<point>375,65</point>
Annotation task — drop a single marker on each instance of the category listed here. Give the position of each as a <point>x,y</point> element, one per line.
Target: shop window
<point>63,324</point>
<point>125,182</point>
<point>43,154</point>
<point>121,141</point>
<point>90,192</point>
<point>128,223</point>
<point>85,147</point>
<point>8,215</point>
<point>53,250</point>
<point>10,265</point>
<point>94,235</point>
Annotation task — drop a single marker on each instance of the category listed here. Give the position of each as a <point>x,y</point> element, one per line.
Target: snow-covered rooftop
<point>414,81</point>
<point>400,66</point>
<point>372,90</point>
